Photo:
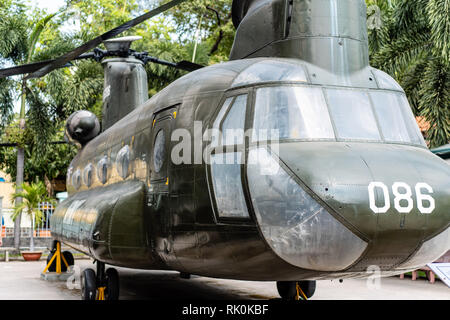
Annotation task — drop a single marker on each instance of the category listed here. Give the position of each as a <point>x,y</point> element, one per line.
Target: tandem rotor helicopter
<point>348,184</point>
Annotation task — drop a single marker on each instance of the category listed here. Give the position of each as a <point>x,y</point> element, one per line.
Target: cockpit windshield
<point>313,113</point>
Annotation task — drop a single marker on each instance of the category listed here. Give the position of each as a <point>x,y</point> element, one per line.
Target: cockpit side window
<point>291,113</point>
<point>225,162</point>
<point>352,115</point>
<point>411,124</point>
<point>233,125</point>
<point>392,122</point>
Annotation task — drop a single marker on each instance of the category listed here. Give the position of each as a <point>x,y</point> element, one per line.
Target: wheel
<point>67,255</point>
<point>88,285</point>
<point>112,284</point>
<point>308,287</point>
<point>288,289</point>
<point>69,258</point>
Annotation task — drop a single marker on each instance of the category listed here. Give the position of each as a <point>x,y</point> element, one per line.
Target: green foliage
<point>31,194</point>
<point>412,44</point>
<point>51,162</point>
<point>6,102</point>
<point>216,29</point>
<point>13,134</point>
<point>407,39</point>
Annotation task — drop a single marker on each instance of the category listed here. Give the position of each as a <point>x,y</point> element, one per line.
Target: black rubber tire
<point>88,285</point>
<point>112,284</point>
<point>69,258</point>
<point>308,287</point>
<point>287,290</point>
<point>67,255</point>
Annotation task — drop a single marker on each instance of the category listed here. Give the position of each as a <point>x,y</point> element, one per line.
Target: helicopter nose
<point>353,205</point>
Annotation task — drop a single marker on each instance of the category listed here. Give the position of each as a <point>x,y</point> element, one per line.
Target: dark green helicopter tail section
<point>330,34</point>
<point>107,223</point>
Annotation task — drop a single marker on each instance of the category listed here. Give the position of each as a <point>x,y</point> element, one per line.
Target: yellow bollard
<point>101,293</point>
<point>58,256</point>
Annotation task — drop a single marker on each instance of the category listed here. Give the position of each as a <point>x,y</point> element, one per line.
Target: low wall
<point>25,242</point>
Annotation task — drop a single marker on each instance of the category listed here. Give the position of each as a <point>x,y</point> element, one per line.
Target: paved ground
<point>21,280</point>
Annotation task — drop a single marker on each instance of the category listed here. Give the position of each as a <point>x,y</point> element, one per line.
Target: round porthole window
<point>102,169</point>
<point>87,174</point>
<point>159,152</point>
<point>76,179</point>
<point>123,162</point>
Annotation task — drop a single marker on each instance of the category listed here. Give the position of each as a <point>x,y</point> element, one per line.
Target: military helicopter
<point>293,162</point>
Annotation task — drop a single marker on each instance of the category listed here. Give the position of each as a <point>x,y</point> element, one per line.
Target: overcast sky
<point>50,5</point>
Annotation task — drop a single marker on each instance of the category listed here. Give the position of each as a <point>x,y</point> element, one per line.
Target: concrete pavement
<point>21,280</point>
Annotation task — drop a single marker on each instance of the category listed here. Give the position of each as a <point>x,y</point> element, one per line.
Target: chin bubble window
<point>294,224</point>
<point>430,251</point>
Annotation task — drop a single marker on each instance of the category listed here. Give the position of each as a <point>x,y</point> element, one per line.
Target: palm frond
<point>439,19</point>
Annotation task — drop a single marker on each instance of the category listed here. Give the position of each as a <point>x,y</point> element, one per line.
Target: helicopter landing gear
<point>296,290</point>
<point>103,286</point>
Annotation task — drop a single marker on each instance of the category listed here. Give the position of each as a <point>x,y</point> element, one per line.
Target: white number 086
<point>402,191</point>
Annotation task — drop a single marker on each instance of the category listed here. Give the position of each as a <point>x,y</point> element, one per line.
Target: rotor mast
<point>331,34</point>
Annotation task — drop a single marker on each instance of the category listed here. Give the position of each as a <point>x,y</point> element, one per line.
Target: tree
<point>32,195</point>
<point>19,42</point>
<point>411,42</point>
<point>213,19</point>
<point>47,165</point>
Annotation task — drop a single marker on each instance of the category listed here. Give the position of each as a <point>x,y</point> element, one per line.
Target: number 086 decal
<point>403,197</point>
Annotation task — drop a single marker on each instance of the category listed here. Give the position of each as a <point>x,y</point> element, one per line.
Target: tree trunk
<point>20,164</point>
<point>48,186</point>
<point>32,234</point>
<point>19,181</point>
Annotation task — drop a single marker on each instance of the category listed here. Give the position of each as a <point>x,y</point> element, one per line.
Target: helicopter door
<point>161,130</point>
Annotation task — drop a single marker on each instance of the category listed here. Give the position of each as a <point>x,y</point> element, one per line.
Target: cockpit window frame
<point>220,148</point>
<point>367,91</point>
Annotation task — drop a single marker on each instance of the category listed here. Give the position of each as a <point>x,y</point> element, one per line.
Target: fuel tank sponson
<point>331,34</point>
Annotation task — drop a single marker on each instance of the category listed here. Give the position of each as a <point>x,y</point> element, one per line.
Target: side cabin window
<point>87,174</point>
<point>226,167</point>
<point>123,162</point>
<point>102,169</point>
<point>76,179</point>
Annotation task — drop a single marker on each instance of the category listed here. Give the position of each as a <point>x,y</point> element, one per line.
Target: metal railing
<point>41,230</point>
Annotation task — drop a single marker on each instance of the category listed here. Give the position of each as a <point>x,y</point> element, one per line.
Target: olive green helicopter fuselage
<point>272,166</point>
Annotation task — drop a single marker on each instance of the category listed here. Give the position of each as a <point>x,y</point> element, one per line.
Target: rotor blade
<point>26,68</point>
<point>184,65</point>
<point>32,67</point>
<point>189,66</point>
<point>10,144</point>
<point>97,41</point>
